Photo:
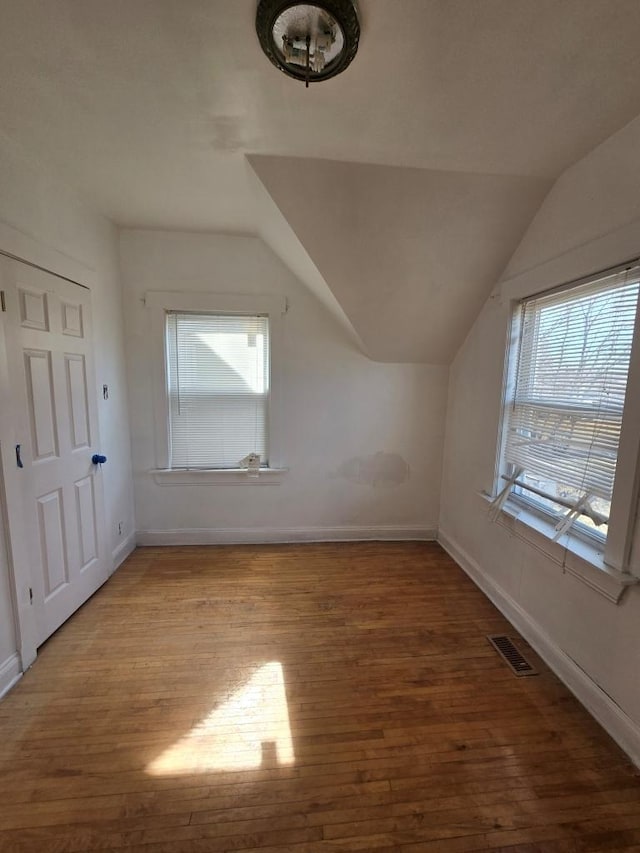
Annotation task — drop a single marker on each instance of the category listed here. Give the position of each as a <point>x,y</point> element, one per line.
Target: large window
<point>566,400</point>
<point>218,389</point>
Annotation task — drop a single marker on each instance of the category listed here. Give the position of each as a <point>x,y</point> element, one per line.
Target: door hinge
<point>3,301</point>
<point>30,596</point>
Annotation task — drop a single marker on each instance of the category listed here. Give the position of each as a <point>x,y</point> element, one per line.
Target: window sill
<point>217,476</point>
<point>575,556</point>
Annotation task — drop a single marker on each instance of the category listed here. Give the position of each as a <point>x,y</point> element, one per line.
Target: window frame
<point>613,553</point>
<point>159,303</point>
<point>185,436</point>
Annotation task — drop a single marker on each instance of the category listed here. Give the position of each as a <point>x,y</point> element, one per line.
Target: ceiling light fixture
<point>308,41</point>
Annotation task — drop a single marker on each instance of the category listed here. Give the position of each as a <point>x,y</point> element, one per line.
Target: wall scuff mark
<point>377,470</point>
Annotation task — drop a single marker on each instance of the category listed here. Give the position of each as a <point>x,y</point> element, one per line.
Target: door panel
<point>72,320</point>
<point>51,363</point>
<point>52,542</point>
<point>39,378</point>
<point>86,506</point>
<point>77,397</point>
<point>33,310</point>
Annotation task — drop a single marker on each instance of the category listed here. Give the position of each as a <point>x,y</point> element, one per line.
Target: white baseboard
<point>611,717</point>
<point>263,535</point>
<point>123,550</point>
<point>10,672</point>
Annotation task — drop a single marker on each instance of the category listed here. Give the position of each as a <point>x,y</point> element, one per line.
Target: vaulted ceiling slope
<point>442,135</point>
<point>410,254</point>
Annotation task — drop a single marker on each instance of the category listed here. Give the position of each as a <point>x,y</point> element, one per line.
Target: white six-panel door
<point>51,365</point>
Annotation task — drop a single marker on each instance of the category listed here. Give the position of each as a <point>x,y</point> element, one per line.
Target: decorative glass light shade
<point>308,41</point>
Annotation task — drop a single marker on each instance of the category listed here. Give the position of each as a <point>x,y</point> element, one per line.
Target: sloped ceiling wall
<point>410,254</point>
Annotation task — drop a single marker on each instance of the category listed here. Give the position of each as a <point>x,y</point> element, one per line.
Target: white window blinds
<point>564,421</point>
<point>218,384</point>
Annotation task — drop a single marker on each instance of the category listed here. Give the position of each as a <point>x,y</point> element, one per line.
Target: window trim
<point>590,536</point>
<point>158,304</point>
<point>615,554</point>
<point>580,559</point>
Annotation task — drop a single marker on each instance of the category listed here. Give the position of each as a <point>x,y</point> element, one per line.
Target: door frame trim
<point>22,247</point>
<point>7,673</point>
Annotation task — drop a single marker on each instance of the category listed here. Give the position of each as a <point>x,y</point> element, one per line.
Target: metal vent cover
<point>516,662</point>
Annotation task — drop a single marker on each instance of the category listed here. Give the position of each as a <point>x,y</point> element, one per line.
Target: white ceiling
<point>150,106</point>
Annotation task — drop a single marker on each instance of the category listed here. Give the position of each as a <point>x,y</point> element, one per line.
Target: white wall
<point>590,220</point>
<point>50,216</point>
<point>338,405</point>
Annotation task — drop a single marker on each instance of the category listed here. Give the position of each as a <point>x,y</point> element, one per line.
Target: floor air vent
<point>518,664</point>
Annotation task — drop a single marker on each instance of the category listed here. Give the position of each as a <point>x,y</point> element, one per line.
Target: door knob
<point>98,459</point>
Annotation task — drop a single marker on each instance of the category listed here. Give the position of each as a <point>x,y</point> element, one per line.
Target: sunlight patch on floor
<point>247,731</point>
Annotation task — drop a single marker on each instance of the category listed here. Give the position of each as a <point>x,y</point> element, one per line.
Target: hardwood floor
<point>300,698</point>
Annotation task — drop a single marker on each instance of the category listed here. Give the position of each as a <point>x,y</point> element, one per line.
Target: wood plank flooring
<point>300,698</point>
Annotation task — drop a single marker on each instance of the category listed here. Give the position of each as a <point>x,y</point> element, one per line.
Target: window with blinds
<point>564,419</point>
<point>218,386</point>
